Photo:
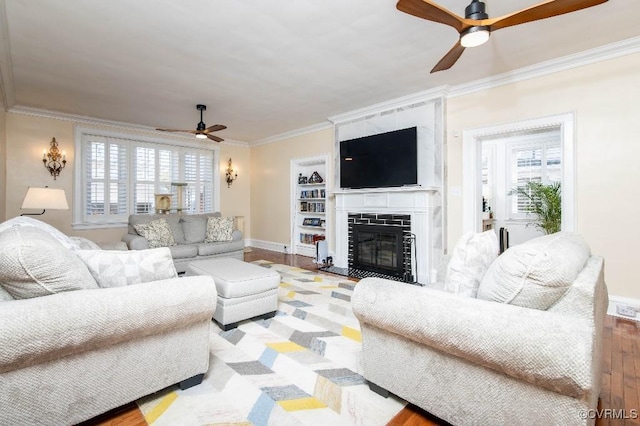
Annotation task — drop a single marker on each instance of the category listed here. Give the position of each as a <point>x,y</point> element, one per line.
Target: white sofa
<point>189,232</point>
<point>471,361</point>
<point>71,349</point>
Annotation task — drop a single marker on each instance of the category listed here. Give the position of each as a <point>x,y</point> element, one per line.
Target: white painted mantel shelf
<point>421,203</point>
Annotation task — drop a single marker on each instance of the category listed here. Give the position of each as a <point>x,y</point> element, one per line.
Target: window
<point>473,143</point>
<point>106,178</point>
<point>538,160</point>
<point>121,174</point>
<point>155,169</point>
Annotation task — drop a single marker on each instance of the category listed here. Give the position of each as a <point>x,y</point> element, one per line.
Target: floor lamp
<point>44,198</point>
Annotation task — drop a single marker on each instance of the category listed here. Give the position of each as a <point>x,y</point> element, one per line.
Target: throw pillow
<point>219,229</point>
<point>34,264</point>
<point>173,219</point>
<point>537,273</point>
<point>469,261</point>
<point>157,232</point>
<point>113,268</point>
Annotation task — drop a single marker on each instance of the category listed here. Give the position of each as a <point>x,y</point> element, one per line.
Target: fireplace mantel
<point>422,203</point>
<point>409,188</point>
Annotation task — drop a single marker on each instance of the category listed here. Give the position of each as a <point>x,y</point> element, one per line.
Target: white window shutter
<point>121,176</point>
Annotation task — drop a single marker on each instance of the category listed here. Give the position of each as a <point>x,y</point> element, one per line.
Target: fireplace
<point>417,209</point>
<point>381,243</point>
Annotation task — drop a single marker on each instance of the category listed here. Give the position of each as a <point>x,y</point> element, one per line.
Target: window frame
<point>80,219</point>
<point>471,191</point>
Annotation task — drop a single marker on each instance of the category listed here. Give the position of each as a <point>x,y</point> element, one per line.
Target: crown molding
<point>92,121</point>
<point>414,98</point>
<point>293,133</point>
<point>576,60</point>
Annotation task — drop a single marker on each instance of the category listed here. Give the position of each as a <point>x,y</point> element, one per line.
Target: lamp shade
<point>45,198</point>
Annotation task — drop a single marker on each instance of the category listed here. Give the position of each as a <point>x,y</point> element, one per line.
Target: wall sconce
<point>53,160</point>
<point>231,174</point>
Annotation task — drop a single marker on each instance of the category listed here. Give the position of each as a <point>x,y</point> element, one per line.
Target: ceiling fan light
<point>201,136</point>
<point>475,36</point>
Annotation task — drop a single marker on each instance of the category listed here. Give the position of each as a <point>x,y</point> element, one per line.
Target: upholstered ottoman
<point>244,290</point>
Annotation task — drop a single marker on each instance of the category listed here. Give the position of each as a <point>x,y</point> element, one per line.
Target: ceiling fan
<point>475,27</point>
<point>202,131</point>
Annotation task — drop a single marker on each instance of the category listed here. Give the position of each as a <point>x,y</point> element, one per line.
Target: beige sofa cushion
<point>469,261</point>
<point>535,274</point>
<point>33,264</point>
<point>113,268</point>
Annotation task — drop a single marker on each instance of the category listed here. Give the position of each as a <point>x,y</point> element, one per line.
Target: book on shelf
<point>306,238</point>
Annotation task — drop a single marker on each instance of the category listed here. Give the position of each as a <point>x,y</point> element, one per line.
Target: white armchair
<point>476,362</point>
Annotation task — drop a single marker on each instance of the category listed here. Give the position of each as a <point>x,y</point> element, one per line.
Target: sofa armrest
<point>41,329</point>
<point>135,242</point>
<point>543,348</point>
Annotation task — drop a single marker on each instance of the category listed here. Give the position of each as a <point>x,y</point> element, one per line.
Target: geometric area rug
<point>302,367</point>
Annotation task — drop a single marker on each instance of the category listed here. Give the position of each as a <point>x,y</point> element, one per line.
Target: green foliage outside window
<point>544,202</point>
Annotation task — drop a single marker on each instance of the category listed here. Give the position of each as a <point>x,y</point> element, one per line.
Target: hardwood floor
<point>620,372</point>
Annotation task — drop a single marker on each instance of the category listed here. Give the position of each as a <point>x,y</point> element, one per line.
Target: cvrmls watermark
<point>608,413</point>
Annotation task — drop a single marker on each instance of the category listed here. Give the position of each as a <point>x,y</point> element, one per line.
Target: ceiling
<point>262,67</point>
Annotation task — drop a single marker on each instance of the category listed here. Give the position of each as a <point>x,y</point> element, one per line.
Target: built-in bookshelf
<point>309,206</point>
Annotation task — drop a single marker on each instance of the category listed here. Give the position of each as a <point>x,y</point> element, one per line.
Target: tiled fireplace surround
<point>401,224</point>
<point>420,203</point>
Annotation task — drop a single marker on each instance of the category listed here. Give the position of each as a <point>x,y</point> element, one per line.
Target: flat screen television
<point>380,161</point>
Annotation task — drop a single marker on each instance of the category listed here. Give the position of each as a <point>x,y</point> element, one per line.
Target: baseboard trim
<point>614,301</point>
<point>269,245</point>
<point>277,247</point>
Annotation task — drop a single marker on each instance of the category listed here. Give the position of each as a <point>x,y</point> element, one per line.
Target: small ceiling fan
<point>202,131</point>
<point>475,27</point>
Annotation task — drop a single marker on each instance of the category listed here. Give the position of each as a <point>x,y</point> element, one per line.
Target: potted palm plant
<point>544,202</point>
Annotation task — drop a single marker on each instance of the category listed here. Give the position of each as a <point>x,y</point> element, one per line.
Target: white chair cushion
<point>34,264</point>
<point>4,295</point>
<point>63,239</point>
<point>536,274</point>
<point>469,261</point>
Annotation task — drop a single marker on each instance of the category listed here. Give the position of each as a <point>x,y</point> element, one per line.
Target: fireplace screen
<point>378,248</point>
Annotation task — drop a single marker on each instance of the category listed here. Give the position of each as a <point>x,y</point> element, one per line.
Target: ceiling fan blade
<point>542,10</point>
<point>215,128</point>
<point>214,138</point>
<point>426,9</point>
<point>450,58</point>
<point>176,130</point>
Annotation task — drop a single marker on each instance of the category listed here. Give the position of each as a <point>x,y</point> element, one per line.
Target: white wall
<point>604,98</point>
